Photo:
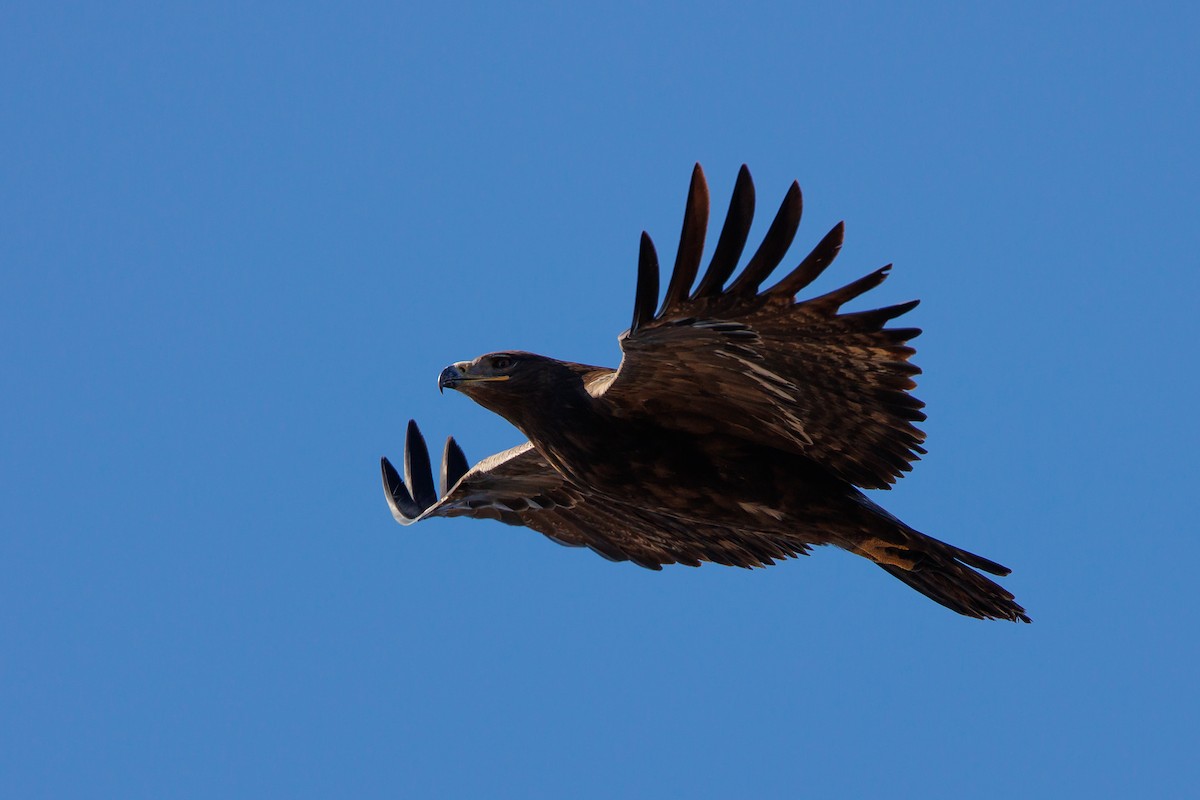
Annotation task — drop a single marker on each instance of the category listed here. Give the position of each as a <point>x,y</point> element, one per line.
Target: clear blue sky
<point>239,241</point>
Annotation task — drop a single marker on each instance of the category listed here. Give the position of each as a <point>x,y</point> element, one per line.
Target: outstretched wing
<point>519,487</point>
<point>799,376</point>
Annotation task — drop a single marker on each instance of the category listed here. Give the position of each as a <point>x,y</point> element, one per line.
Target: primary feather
<point>738,429</point>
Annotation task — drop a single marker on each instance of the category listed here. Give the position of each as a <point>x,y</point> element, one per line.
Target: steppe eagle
<point>739,429</point>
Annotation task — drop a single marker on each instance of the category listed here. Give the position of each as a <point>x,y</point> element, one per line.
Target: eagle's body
<point>692,477</point>
<point>737,430</point>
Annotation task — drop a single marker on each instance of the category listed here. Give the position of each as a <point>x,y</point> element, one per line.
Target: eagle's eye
<point>501,362</point>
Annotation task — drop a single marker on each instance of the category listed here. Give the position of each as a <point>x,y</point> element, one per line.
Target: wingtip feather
<point>813,264</point>
<point>404,509</point>
<point>454,465</point>
<point>732,240</point>
<point>646,297</point>
<point>691,242</point>
<point>774,245</point>
<point>418,472</point>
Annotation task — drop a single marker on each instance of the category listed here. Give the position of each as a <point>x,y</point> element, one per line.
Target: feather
<point>732,240</point>
<point>735,431</point>
<point>774,245</point>
<point>399,499</point>
<point>813,264</point>
<point>647,284</point>
<point>454,465</point>
<point>691,242</point>
<point>418,473</point>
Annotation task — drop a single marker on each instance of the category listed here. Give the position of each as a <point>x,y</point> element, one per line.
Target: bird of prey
<point>739,428</point>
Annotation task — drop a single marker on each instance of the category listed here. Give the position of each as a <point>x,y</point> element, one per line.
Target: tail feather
<point>945,580</point>
<point>978,562</point>
<point>940,571</point>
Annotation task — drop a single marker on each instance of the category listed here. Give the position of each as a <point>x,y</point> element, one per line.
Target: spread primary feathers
<point>738,429</point>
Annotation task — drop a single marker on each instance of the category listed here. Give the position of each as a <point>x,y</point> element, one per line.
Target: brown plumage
<point>737,429</point>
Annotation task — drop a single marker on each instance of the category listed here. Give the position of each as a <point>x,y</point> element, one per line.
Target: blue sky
<point>238,242</point>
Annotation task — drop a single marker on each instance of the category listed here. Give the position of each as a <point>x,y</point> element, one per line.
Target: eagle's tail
<point>961,589</point>
<point>942,574</point>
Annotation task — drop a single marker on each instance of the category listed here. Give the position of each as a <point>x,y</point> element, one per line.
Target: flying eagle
<point>739,429</point>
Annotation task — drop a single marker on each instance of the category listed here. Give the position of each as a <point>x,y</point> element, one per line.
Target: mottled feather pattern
<point>735,430</point>
<point>519,487</point>
<point>844,402</point>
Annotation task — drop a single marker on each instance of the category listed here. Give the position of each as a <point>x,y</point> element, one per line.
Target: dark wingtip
<point>388,470</point>
<point>813,264</point>
<point>774,245</point>
<point>418,472</point>
<point>454,465</point>
<point>832,301</point>
<point>404,509</point>
<point>691,242</point>
<point>646,299</point>
<point>900,309</point>
<point>732,240</point>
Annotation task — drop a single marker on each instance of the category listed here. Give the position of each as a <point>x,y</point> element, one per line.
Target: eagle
<point>740,428</point>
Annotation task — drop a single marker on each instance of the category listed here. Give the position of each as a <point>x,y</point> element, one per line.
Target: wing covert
<point>519,487</point>
<point>799,376</point>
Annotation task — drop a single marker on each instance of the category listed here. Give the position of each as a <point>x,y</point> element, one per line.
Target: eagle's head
<point>490,373</point>
<point>514,383</point>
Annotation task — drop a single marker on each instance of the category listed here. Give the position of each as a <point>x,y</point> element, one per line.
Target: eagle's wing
<point>799,376</point>
<point>519,487</point>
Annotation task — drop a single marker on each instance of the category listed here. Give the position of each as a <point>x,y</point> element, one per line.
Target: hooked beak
<point>458,373</point>
<point>451,376</point>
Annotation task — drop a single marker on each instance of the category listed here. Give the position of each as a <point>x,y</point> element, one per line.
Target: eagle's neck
<point>563,422</point>
<point>562,407</point>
